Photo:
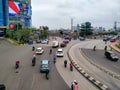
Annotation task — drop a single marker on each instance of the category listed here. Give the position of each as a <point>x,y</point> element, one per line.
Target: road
<point>28,77</point>
<point>96,56</point>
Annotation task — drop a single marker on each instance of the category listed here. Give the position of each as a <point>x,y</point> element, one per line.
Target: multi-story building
<point>3,16</point>
<point>16,12</point>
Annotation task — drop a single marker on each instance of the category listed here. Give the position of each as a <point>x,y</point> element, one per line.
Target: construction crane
<point>115,25</point>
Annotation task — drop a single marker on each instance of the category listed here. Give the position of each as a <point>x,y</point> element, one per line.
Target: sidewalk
<point>112,45</point>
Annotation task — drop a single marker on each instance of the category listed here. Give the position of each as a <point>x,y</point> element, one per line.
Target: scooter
<point>46,75</point>
<point>65,65</point>
<point>33,61</point>
<point>17,66</point>
<point>71,68</point>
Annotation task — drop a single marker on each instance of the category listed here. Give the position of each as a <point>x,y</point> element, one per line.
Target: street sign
<point>11,26</point>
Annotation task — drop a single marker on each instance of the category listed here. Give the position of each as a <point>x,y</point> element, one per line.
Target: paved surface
<point>28,77</point>
<point>69,76</point>
<point>91,69</point>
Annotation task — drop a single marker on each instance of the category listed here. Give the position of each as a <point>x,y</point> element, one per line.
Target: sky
<point>57,14</point>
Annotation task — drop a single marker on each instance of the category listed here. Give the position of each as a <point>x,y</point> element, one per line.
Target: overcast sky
<point>58,13</point>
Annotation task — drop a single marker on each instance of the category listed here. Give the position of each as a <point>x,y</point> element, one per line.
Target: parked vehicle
<point>44,67</point>
<point>39,50</point>
<point>45,41</point>
<point>81,38</point>
<point>38,41</point>
<point>111,55</point>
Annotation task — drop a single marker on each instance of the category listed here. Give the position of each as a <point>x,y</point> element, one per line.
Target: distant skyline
<point>58,13</point>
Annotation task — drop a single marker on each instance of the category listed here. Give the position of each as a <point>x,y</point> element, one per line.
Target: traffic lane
<point>99,58</point>
<point>55,81</point>
<point>28,77</point>
<point>111,82</point>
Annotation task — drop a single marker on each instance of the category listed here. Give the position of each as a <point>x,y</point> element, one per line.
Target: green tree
<point>86,29</point>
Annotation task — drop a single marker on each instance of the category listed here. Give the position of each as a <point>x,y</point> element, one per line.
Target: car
<point>59,53</point>
<point>38,41</point>
<point>81,38</point>
<point>55,44</point>
<point>63,44</point>
<point>44,66</point>
<point>65,41</point>
<point>105,39</point>
<point>113,40</point>
<point>45,41</point>
<point>39,50</point>
<point>2,87</point>
<point>111,55</point>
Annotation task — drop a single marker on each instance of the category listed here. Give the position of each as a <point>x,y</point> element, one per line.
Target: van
<point>55,44</point>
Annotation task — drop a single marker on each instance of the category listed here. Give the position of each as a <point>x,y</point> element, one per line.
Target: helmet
<point>34,55</point>
<point>75,81</point>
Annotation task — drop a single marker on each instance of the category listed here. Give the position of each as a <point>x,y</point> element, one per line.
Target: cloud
<point>57,14</point>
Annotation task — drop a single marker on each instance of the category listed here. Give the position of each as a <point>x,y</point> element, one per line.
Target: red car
<point>113,40</point>
<point>66,41</point>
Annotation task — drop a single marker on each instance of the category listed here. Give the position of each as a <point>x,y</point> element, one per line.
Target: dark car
<point>63,45</point>
<point>44,67</point>
<point>2,87</point>
<point>38,41</point>
<point>81,38</point>
<point>111,55</point>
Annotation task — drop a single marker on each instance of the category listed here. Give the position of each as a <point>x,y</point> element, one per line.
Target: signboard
<point>11,26</point>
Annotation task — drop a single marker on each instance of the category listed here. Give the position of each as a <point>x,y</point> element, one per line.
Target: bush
<point>118,45</point>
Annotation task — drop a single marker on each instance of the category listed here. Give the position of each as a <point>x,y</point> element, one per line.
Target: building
<point>17,12</point>
<point>3,16</point>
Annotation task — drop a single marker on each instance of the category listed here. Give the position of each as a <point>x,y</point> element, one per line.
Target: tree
<point>86,29</point>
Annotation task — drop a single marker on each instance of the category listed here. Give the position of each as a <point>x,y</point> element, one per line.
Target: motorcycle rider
<point>34,60</point>
<point>71,66</point>
<point>17,64</point>
<point>65,63</point>
<point>33,48</point>
<point>50,51</point>
<point>54,58</point>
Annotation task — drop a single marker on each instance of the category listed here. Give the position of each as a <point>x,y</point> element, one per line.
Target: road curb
<point>87,76</point>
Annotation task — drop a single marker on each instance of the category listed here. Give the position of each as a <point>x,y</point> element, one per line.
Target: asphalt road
<point>28,77</point>
<point>100,59</point>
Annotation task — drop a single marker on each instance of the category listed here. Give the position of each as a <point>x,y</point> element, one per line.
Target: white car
<point>39,50</point>
<point>45,41</point>
<point>59,53</point>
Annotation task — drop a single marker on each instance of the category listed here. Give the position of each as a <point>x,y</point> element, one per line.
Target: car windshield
<point>59,52</point>
<point>44,66</point>
<point>38,50</point>
<point>113,54</point>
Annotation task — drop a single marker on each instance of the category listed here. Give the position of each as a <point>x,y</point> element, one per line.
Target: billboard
<point>20,8</point>
<point>14,8</point>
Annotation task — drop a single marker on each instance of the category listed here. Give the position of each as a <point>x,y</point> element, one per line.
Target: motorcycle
<point>46,75</point>
<point>33,48</point>
<point>17,66</point>
<point>33,61</point>
<point>65,63</point>
<point>71,68</point>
